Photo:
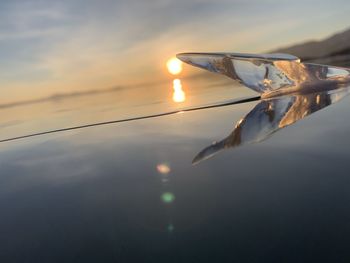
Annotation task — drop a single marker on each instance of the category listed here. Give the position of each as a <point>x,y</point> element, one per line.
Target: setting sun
<point>174,66</point>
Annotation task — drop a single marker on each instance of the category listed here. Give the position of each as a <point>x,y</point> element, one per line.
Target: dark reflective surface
<point>129,193</point>
<point>271,115</point>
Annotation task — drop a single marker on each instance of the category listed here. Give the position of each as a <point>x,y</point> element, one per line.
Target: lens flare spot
<point>174,66</point>
<point>170,228</point>
<point>168,197</point>
<point>178,95</point>
<point>163,168</point>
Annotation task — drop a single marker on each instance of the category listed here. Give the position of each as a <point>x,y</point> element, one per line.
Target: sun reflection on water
<point>178,94</point>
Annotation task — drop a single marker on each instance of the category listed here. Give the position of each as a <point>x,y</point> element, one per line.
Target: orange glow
<point>174,66</point>
<point>163,168</point>
<point>178,95</point>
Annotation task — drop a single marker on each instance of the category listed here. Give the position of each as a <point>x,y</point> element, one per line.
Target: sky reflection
<point>100,190</point>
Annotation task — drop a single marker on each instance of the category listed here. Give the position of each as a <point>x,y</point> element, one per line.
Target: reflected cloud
<point>178,94</point>
<point>271,115</point>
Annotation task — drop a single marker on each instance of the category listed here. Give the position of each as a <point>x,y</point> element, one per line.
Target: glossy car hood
<point>129,192</point>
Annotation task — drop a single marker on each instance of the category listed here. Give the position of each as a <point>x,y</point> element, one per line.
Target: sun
<point>174,66</point>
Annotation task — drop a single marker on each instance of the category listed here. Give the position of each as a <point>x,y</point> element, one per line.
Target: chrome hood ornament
<point>270,74</point>
<point>289,90</point>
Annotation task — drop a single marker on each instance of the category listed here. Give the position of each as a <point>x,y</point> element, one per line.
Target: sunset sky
<point>49,47</point>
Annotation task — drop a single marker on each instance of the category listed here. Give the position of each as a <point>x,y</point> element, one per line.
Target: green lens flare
<point>168,197</point>
<point>170,228</point>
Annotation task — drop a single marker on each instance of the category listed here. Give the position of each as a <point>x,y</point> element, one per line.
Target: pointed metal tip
<point>270,56</point>
<point>181,56</point>
<point>208,152</point>
<point>187,57</point>
<point>196,160</point>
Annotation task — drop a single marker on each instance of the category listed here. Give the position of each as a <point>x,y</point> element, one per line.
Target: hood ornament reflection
<point>271,115</point>
<point>289,90</point>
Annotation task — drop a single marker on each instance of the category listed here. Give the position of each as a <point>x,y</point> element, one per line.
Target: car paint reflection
<point>271,115</point>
